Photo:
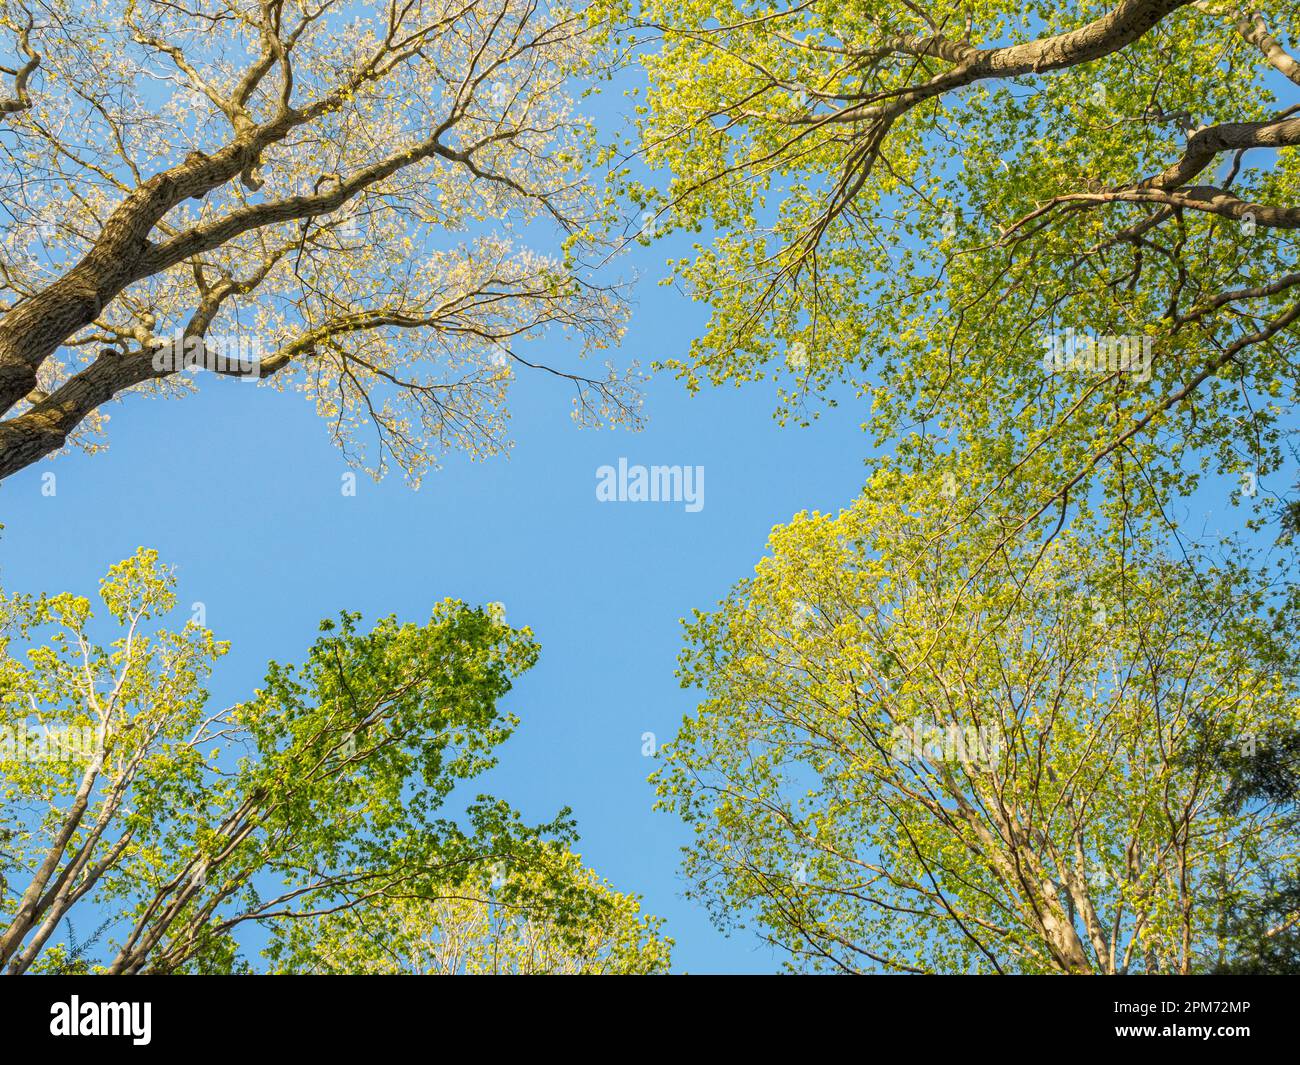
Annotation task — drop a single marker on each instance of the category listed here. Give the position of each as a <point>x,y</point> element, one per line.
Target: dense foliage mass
<point>145,831</point>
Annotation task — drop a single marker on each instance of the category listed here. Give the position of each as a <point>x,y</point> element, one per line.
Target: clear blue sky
<point>238,488</point>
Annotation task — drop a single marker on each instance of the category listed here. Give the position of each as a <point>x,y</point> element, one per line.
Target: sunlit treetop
<point>906,761</point>
<point>338,199</point>
<point>551,918</point>
<point>920,199</point>
<point>146,830</point>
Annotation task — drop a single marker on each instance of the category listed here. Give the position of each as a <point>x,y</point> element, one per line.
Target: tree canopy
<point>906,762</point>
<point>980,720</point>
<point>964,210</point>
<point>1003,713</point>
<point>327,199</point>
<point>324,802</point>
<point>552,918</point>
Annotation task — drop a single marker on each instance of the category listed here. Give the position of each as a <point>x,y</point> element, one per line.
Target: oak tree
<point>327,199</point>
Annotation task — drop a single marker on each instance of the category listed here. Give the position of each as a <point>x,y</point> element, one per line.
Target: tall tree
<point>1058,235</point>
<point>133,808</point>
<point>325,197</point>
<point>906,762</point>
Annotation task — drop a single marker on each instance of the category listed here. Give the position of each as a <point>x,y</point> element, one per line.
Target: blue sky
<point>239,489</point>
